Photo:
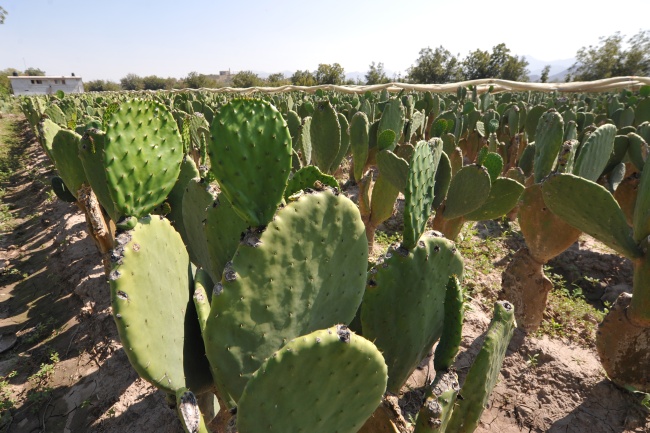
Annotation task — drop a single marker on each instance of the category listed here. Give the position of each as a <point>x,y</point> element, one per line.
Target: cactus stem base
<point>624,347</point>
<point>526,287</point>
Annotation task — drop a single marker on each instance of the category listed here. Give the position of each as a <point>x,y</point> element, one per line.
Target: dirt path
<point>66,371</point>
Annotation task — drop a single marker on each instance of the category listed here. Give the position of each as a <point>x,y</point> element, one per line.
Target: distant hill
<point>558,72</point>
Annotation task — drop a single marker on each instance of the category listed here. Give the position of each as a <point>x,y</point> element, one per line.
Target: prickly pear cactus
<point>548,141</point>
<point>402,309</point>
<point>449,343</point>
<point>250,155</point>
<point>64,149</point>
<point>309,177</point>
<point>222,231</point>
<point>591,208</point>
<point>418,194</point>
<point>325,136</point>
<point>305,271</point>
<point>484,372</point>
<point>142,156</point>
<point>328,381</point>
<point>151,295</point>
<point>439,403</point>
<point>91,154</point>
<point>468,190</point>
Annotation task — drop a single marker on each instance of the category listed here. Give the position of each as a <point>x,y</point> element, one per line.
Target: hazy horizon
<point>164,38</point>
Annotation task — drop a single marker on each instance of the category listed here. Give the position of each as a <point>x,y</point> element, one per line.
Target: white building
<point>24,85</point>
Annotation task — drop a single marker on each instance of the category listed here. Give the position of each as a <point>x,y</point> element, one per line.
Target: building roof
<point>43,77</point>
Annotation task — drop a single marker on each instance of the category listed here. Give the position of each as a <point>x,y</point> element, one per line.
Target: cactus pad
<point>418,194</point>
<point>307,177</point>
<point>151,295</point>
<point>325,136</point>
<point>468,190</point>
<point>142,155</point>
<point>402,309</point>
<point>305,271</point>
<point>503,197</point>
<point>595,153</point>
<point>484,372</point>
<point>250,154</point>
<point>591,208</point>
<point>328,381</point>
<point>65,149</point>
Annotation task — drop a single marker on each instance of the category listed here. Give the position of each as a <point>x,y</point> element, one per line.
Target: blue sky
<point>109,39</point>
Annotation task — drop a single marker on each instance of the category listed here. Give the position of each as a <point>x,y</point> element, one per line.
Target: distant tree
<point>376,74</point>
<point>278,79</point>
<point>154,82</point>
<point>194,80</point>
<point>101,86</point>
<point>5,84</point>
<point>246,79</point>
<point>497,64</point>
<point>611,59</point>
<point>132,82</point>
<point>3,14</point>
<point>477,65</point>
<point>330,74</point>
<point>34,72</point>
<point>544,77</point>
<point>434,66</point>
<point>303,78</point>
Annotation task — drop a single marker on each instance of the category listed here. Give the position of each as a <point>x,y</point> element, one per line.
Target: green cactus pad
<point>304,141</point>
<point>595,153</point>
<point>47,131</point>
<point>469,189</point>
<point>305,271</point>
<point>188,172</point>
<point>142,155</point>
<point>452,328</point>
<point>202,296</point>
<point>325,136</point>
<point>65,149</point>
<point>402,309</point>
<point>198,197</point>
<point>91,154</point>
<point>484,372</point>
<point>151,295</point>
<point>328,381</point>
<point>418,194</point>
<point>345,142</point>
<point>382,201</point>
<point>359,127</point>
<point>532,119</point>
<point>392,118</point>
<point>439,404</point>
<point>294,122</point>
<point>385,140</point>
<point>503,197</point>
<point>307,177</point>
<point>637,150</point>
<point>641,218</point>
<point>393,168</point>
<point>223,230</point>
<point>494,164</point>
<point>527,159</point>
<point>250,154</point>
<point>549,137</point>
<point>443,180</point>
<point>591,208</point>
